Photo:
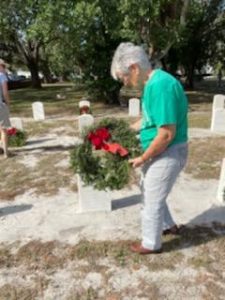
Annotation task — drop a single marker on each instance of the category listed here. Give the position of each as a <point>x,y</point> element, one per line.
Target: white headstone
<point>38,111</point>
<point>219,102</point>
<point>84,103</point>
<point>92,200</point>
<point>134,107</point>
<point>218,114</point>
<point>17,123</point>
<point>221,188</point>
<point>84,121</point>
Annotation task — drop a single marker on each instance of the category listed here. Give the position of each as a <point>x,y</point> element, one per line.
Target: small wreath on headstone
<point>102,159</point>
<point>16,137</point>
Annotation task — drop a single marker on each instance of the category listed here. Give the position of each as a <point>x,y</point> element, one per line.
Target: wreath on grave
<point>102,159</point>
<point>16,137</point>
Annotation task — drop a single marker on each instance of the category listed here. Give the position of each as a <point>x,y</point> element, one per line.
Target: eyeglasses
<point>124,78</point>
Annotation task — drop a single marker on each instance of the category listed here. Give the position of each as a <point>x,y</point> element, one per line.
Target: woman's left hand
<point>136,162</point>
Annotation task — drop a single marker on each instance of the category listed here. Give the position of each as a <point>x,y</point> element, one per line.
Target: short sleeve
<point>3,78</point>
<point>165,105</point>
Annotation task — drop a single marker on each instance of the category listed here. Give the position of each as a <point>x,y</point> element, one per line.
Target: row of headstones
<point>83,120</point>
<point>87,119</point>
<point>38,115</point>
<point>217,123</point>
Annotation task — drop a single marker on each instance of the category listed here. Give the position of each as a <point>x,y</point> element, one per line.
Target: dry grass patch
<point>84,294</point>
<point>112,259</point>
<point>12,292</point>
<point>44,179</point>
<point>49,178</point>
<point>205,156</point>
<point>40,256</point>
<point>47,127</point>
<point>14,177</point>
<point>199,120</point>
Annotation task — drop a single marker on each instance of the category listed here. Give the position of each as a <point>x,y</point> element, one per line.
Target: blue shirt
<point>3,78</point>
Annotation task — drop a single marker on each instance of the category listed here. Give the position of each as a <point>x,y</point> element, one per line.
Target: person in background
<point>163,136</point>
<point>4,108</point>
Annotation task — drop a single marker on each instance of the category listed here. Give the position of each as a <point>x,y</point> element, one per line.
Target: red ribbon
<point>12,131</point>
<point>98,139</point>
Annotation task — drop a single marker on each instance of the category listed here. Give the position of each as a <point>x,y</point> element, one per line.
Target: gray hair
<point>127,54</point>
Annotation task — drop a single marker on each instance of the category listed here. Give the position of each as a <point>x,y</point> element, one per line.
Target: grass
<point>199,120</point>
<point>195,261</point>
<point>61,127</point>
<point>122,273</point>
<point>46,178</point>
<point>22,100</point>
<point>200,99</point>
<point>205,156</point>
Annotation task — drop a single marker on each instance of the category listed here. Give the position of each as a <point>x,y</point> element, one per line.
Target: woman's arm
<point>160,143</point>
<point>136,126</point>
<point>5,92</point>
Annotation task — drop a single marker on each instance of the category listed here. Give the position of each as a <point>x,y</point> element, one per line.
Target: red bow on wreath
<point>11,131</point>
<point>98,139</point>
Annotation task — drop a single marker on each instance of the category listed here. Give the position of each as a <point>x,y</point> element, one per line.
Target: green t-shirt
<point>163,103</point>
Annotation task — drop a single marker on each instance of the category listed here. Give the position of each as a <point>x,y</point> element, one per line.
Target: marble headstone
<point>221,188</point>
<point>92,200</point>
<point>38,111</point>
<point>85,120</point>
<point>134,107</point>
<point>218,114</point>
<point>17,123</point>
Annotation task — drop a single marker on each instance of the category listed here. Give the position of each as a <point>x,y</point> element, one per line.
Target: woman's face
<point>132,78</point>
<point>2,68</point>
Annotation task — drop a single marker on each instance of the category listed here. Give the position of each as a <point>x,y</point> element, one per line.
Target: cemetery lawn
<point>46,254</point>
<point>191,267</point>
<point>200,102</point>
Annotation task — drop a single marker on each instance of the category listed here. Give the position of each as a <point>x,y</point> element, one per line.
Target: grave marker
<point>218,114</point>
<point>221,188</point>
<point>38,111</point>
<point>92,200</point>
<point>17,123</point>
<point>134,107</point>
<point>85,120</point>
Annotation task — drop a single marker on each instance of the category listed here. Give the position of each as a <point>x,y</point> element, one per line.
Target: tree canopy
<point>77,39</point>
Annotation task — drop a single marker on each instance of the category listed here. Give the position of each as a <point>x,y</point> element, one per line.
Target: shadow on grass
<point>203,229</point>
<point>38,141</point>
<point>8,210</point>
<point>57,148</point>
<point>125,202</point>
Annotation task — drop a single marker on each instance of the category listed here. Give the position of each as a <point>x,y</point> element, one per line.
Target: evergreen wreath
<point>102,159</point>
<point>16,137</point>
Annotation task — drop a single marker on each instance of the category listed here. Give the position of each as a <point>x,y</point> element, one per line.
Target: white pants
<point>159,175</point>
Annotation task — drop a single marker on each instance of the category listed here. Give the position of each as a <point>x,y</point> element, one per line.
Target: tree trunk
<point>189,82</point>
<point>36,81</point>
<point>112,97</point>
<point>47,74</point>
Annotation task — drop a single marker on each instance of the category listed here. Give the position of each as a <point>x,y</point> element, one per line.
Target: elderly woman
<point>4,111</point>
<point>163,136</point>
